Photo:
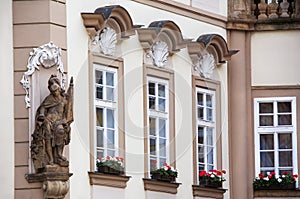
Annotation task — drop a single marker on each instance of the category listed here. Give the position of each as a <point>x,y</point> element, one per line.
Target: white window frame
<point>158,114</point>
<point>206,124</point>
<point>274,131</point>
<point>106,104</point>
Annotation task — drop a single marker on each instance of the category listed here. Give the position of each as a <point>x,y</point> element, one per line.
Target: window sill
<point>160,186</point>
<point>208,192</point>
<point>108,180</point>
<point>276,193</point>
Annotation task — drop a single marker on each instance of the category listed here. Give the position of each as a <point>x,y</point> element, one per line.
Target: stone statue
<point>52,126</point>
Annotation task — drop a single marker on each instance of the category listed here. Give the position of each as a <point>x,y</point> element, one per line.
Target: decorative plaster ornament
<point>159,53</point>
<point>47,55</point>
<point>105,41</point>
<point>206,65</point>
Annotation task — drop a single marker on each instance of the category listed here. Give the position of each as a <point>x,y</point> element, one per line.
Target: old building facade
<point>197,84</point>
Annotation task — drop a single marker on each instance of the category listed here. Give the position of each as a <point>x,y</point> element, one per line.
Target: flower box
<point>272,181</point>
<point>157,176</point>
<point>290,186</point>
<point>211,184</point>
<point>212,179</point>
<point>109,170</point>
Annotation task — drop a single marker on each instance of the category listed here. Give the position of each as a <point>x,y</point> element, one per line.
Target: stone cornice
<point>264,25</point>
<point>160,186</point>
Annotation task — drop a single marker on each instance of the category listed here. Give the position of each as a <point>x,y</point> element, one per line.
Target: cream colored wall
<point>132,54</point>
<point>275,58</point>
<point>79,156</point>
<point>6,105</point>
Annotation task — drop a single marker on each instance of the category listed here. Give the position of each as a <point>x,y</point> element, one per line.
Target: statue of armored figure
<point>52,126</point>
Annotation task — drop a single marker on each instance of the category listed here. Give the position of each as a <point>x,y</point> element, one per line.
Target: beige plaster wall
<point>6,105</point>
<point>275,58</point>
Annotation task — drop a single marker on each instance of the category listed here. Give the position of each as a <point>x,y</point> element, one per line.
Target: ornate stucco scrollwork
<point>47,55</point>
<point>105,41</point>
<point>159,53</point>
<point>206,65</point>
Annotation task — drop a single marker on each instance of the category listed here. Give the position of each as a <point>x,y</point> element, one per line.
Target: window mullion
<point>276,153</point>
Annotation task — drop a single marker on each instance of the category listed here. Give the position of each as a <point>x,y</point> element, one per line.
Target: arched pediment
<point>213,44</point>
<point>166,31</point>
<point>114,16</point>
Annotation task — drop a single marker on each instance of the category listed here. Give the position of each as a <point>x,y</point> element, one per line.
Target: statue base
<point>55,181</point>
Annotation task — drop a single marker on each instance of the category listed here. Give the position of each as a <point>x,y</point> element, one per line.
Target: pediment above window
<point>107,26</point>
<point>207,52</point>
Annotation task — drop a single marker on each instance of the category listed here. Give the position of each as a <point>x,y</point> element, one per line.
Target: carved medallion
<point>206,65</point>
<point>105,41</point>
<point>159,53</point>
<point>47,55</point>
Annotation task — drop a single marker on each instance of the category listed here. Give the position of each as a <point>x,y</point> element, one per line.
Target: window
<point>158,121</point>
<point>206,129</point>
<point>105,110</point>
<point>275,135</point>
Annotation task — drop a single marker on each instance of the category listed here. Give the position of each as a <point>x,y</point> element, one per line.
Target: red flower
<point>165,164</point>
<point>219,173</point>
<point>272,173</point>
<point>295,175</point>
<point>261,176</point>
<point>108,157</point>
<point>224,171</point>
<point>122,159</point>
<point>202,173</point>
<point>169,167</point>
<point>155,161</point>
<point>269,176</point>
<point>285,173</point>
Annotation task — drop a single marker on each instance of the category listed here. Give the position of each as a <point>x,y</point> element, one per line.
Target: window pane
<point>200,113</point>
<point>162,147</point>
<point>161,90</point>
<point>151,87</point>
<point>153,165</point>
<point>201,167</point>
<point>210,167</point>
<point>109,79</point>
<point>153,146</point>
<point>111,153</point>
<point>209,136</point>
<point>284,119</point>
<point>285,171</point>
<point>162,104</point>
<point>210,155</point>
<point>285,158</point>
<point>209,113</point>
<point>100,153</point>
<point>201,154</point>
<point>99,138</point>
<point>200,135</point>
<point>209,100</point>
<point>265,107</point>
<point>285,141</point>
<point>266,120</point>
<point>110,119</point>
<point>266,142</point>
<point>266,159</point>
<point>109,93</point>
<point>162,161</point>
<point>98,77</point>
<point>110,139</point>
<point>200,99</point>
<point>284,107</point>
<point>99,115</point>
<point>151,102</point>
<point>162,128</point>
<point>152,126</point>
<point>99,92</point>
